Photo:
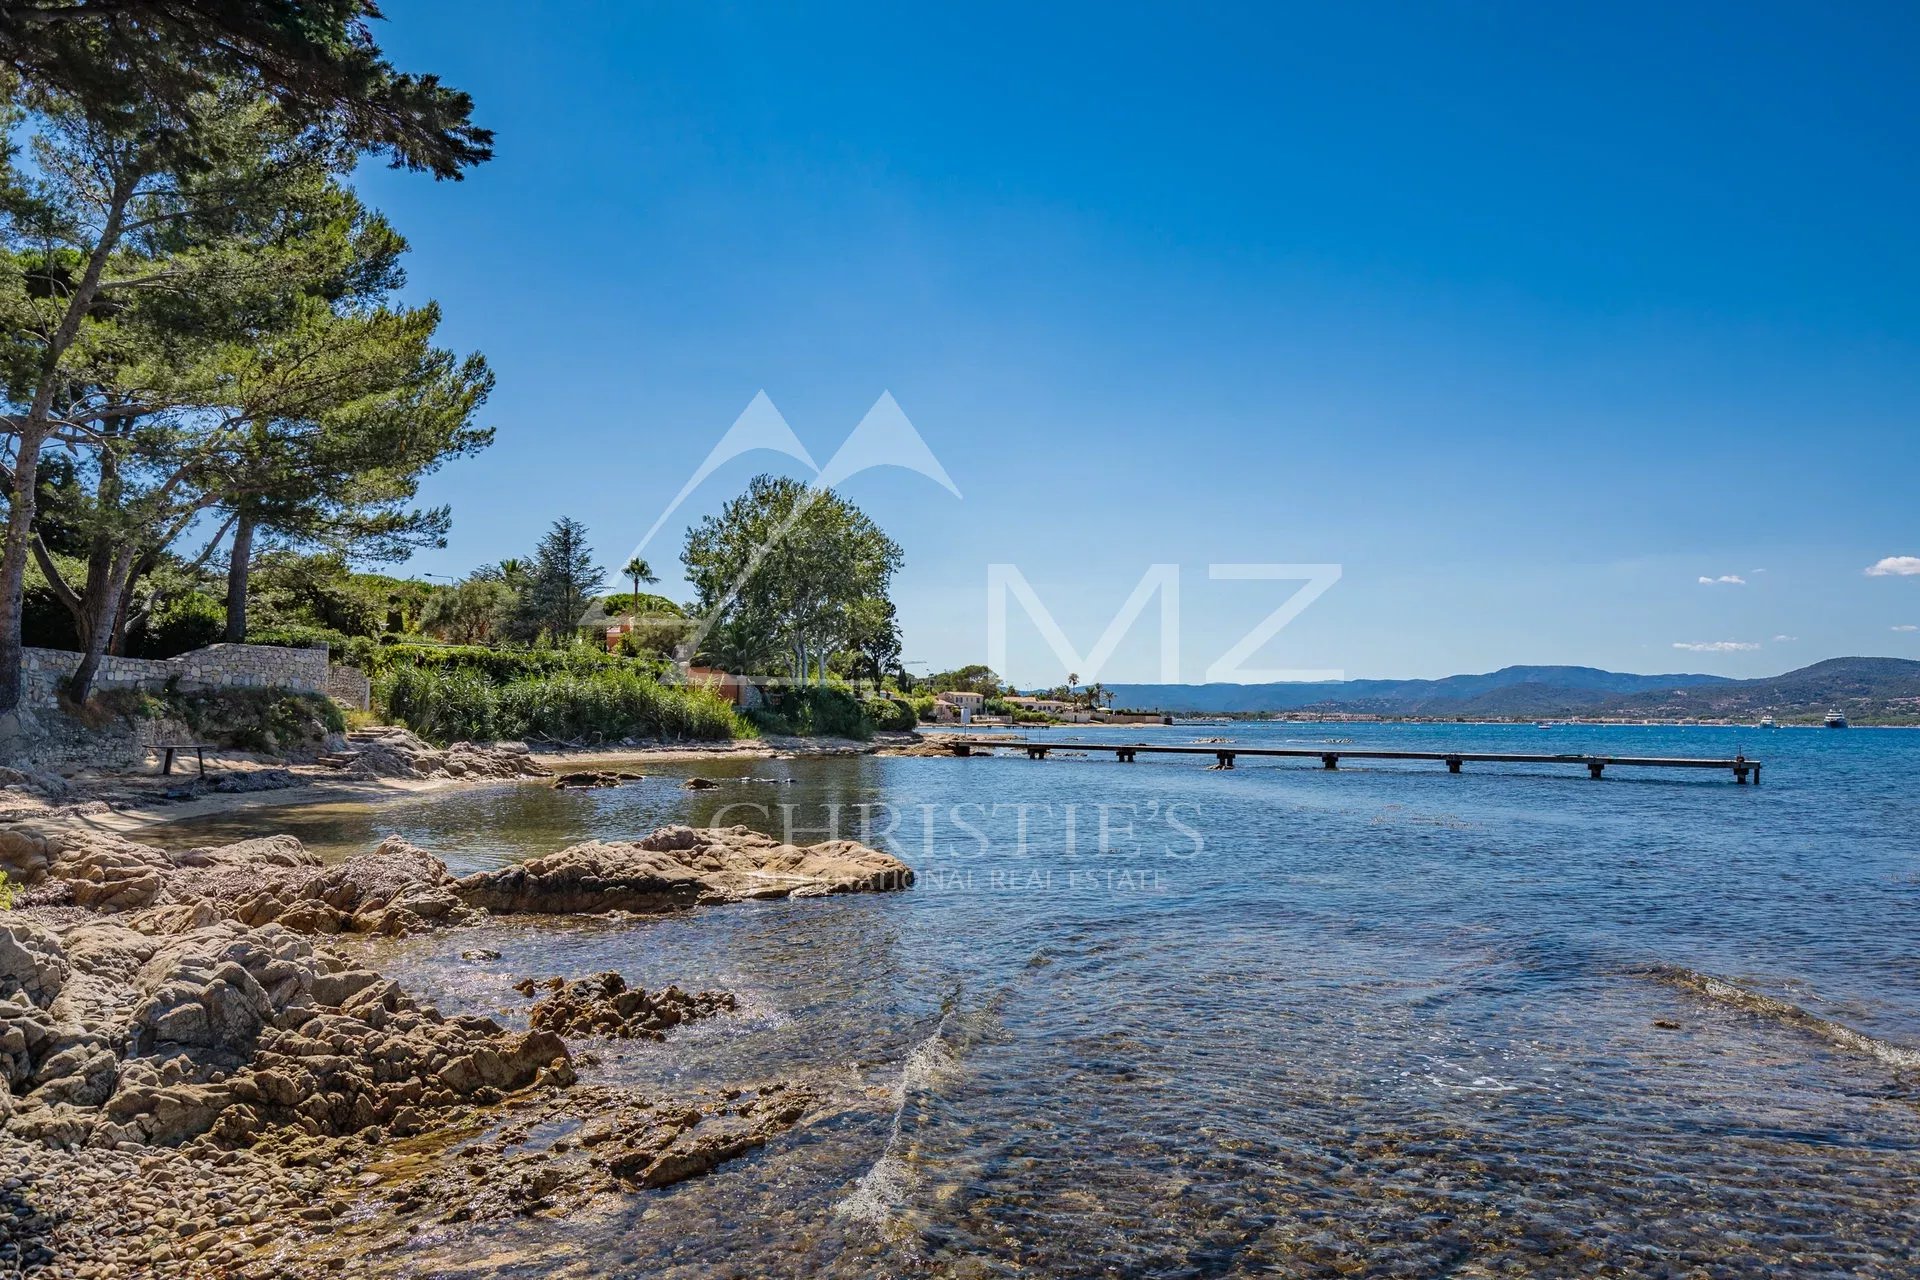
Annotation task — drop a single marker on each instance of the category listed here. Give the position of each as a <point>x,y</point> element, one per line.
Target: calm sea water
<point>1384,1021</point>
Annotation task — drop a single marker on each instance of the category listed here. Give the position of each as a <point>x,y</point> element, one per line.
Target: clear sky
<point>1529,317</point>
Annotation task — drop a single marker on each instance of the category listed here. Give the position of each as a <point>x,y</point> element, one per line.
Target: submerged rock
<point>699,784</point>
<point>594,778</point>
<point>604,1005</point>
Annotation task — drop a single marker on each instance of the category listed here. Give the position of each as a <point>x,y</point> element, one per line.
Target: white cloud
<point>1895,566</point>
<point>1731,579</point>
<point>1906,626</point>
<point>1716,646</point>
<point>1785,639</point>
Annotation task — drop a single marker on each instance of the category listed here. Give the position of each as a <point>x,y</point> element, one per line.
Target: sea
<point>1158,1020</point>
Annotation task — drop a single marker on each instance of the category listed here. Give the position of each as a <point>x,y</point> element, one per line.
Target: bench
<point>171,749</point>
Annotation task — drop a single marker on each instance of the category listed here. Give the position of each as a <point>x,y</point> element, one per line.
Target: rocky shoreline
<point>198,1084</point>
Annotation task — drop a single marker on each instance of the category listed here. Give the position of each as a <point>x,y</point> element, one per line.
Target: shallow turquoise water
<point>1385,1021</point>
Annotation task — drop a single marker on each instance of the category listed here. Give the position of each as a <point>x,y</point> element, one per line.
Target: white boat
<point>1766,722</point>
<point>1835,720</point>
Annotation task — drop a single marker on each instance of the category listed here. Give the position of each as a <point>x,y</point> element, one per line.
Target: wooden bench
<point>171,749</point>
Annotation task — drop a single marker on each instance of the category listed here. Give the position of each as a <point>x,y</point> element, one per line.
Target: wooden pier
<point>1743,769</point>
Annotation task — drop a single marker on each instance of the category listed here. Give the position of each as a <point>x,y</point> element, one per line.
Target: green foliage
<point>6,893</point>
<point>889,713</point>
<point>974,678</point>
<point>449,703</point>
<point>191,620</point>
<point>922,704</point>
<point>813,711</point>
<point>792,567</point>
<point>562,580</point>
<point>502,665</point>
<point>472,611</point>
<point>646,604</point>
<point>270,721</point>
<point>318,62</point>
<point>441,704</point>
<point>296,636</point>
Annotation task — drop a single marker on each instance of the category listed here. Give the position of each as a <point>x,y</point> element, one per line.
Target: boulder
<point>604,1005</point>
<point>678,867</point>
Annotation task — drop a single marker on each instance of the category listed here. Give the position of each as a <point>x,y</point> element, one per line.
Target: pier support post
<point>1453,764</point>
<point>1595,767</point>
<point>1225,759</point>
<point>1329,761</point>
<point>1740,769</point>
<point>963,748</point>
<point>1036,753</point>
<point>1125,756</point>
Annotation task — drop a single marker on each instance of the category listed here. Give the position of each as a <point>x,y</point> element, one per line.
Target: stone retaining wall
<point>218,666</point>
<point>350,686</point>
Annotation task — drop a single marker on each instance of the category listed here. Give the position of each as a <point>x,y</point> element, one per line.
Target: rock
<point>226,1031</point>
<point>32,963</point>
<point>480,955</point>
<point>679,867</point>
<point>392,752</point>
<point>699,784</point>
<point>604,1005</point>
<point>595,778</point>
<point>396,889</point>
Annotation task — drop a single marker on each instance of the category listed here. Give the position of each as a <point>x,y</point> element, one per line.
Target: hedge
<point>450,702</point>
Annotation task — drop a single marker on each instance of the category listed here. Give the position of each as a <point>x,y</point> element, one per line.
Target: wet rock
<point>678,867</point>
<point>480,955</point>
<point>594,778</point>
<point>604,1005</point>
<point>699,784</point>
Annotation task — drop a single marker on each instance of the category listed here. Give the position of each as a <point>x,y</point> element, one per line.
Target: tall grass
<point>451,703</point>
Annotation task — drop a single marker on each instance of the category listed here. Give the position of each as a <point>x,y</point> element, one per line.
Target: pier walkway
<point>1742,768</point>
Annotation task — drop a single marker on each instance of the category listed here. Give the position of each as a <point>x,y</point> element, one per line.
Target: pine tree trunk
<point>238,568</point>
<point>32,433</point>
<point>103,604</point>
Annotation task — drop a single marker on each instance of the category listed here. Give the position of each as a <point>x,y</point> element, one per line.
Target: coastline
<point>248,1122</point>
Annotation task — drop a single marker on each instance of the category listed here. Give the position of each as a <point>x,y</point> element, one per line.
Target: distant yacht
<point>1766,722</point>
<point>1835,720</point>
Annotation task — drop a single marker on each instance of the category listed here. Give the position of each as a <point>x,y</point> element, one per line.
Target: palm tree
<point>639,571</point>
<point>1073,679</point>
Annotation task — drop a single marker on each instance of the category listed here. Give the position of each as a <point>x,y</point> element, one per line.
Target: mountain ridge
<point>1864,687</point>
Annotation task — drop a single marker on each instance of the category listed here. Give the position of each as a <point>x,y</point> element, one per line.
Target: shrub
<point>922,704</point>
<point>191,620</point>
<point>499,665</point>
<point>6,893</point>
<point>272,721</point>
<point>889,713</point>
<point>300,636</point>
<point>440,705</point>
<point>813,711</point>
<point>449,703</point>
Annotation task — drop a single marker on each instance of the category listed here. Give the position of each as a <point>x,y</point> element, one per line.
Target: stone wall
<point>349,686</point>
<point>37,732</point>
<point>218,666</point>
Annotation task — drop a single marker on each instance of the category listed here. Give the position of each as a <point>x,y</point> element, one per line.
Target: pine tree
<point>562,582</point>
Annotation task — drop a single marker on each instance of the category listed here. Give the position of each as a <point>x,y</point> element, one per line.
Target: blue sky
<point>1528,317</point>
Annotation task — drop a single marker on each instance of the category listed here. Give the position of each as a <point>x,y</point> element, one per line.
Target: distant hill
<point>1865,688</point>
<point>1520,687</point>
